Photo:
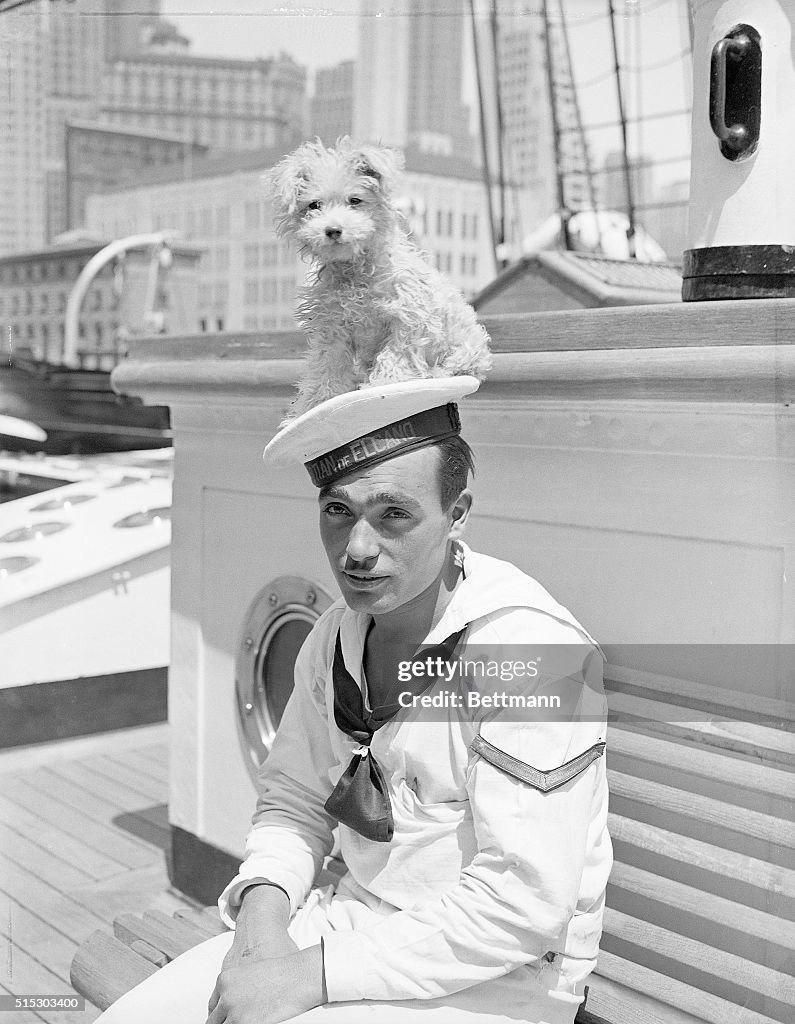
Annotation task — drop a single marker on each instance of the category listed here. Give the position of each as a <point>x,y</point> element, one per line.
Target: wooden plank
<point>131,891</point>
<point>104,969</point>
<point>720,911</point>
<point>66,915</point>
<point>701,957</point>
<point>667,685</point>
<point>149,953</point>
<point>150,789</point>
<point>158,752</point>
<point>623,1005</point>
<point>735,866</point>
<point>129,927</point>
<point>704,761</point>
<point>200,919</point>
<point>703,808</point>
<point>703,1005</point>
<point>119,796</point>
<point>45,865</point>
<point>38,939</point>
<point>74,850</point>
<point>180,930</point>
<point>654,326</point>
<point>56,810</point>
<point>744,737</point>
<point>143,764</point>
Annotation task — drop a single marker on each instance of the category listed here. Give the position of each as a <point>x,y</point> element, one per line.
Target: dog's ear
<point>380,163</point>
<point>286,182</point>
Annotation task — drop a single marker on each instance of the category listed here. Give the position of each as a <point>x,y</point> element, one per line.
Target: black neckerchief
<point>360,799</point>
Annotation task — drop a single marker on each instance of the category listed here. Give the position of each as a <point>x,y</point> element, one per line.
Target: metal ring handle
<point>736,48</point>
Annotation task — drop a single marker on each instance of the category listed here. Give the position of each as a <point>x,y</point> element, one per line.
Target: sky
<point>652,35</point>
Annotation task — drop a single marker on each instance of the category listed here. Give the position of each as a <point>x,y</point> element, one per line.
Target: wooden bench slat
<point>707,762</point>
<point>721,698</point>
<point>622,1005</point>
<point>735,866</point>
<point>128,928</point>
<point>703,1005</point>
<point>760,741</point>
<point>708,959</point>
<point>200,919</point>
<point>181,931</point>
<point>104,969</point>
<point>703,808</point>
<point>154,956</point>
<point>716,909</point>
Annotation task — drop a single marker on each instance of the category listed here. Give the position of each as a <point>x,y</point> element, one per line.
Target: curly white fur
<point>374,310</point>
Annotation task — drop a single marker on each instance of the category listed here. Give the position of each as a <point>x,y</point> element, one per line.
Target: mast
<point>574,177</point>
<point>484,146</point>
<point>500,130</point>
<point>624,149</point>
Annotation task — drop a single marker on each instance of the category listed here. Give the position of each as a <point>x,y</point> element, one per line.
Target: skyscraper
<point>73,76</point>
<point>408,79</point>
<point>23,55</point>
<point>331,108</point>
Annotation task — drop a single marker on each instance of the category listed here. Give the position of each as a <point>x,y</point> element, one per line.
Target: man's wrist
<point>261,884</point>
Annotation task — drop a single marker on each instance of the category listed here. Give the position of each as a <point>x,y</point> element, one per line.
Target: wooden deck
<point>83,837</point>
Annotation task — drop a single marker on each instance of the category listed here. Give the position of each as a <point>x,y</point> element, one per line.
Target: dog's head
<point>337,203</point>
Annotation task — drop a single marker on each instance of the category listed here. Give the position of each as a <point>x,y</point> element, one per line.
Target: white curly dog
<point>373,309</point>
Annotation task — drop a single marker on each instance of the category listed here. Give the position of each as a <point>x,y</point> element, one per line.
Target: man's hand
<point>261,927</point>
<point>270,990</point>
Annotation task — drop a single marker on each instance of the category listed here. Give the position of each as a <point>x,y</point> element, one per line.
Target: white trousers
<point>541,993</point>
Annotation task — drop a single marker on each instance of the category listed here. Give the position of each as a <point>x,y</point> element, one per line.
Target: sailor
<point>473,835</point>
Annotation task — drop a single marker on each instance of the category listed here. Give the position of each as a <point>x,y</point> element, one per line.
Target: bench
<point>700,918</point>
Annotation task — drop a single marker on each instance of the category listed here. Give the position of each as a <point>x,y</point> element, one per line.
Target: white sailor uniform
<point>487,902</point>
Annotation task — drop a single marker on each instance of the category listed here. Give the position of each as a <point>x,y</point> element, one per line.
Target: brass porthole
<point>278,621</point>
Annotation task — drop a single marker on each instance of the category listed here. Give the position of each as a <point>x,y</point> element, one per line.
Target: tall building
<point>76,47</point>
<point>247,277</point>
<point>23,59</point>
<point>409,78</point>
<point>527,136</point>
<point>99,158</point>
<point>221,103</point>
<point>331,107</point>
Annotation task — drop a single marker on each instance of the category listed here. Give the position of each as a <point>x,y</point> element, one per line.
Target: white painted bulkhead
<point>638,462</point>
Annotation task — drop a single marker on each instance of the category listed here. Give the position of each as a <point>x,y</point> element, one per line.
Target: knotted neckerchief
<point>360,799</point>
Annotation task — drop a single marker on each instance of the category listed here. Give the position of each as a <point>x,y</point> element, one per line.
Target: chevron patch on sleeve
<point>544,781</point>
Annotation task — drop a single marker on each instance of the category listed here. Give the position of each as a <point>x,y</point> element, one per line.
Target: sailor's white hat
<point>362,427</point>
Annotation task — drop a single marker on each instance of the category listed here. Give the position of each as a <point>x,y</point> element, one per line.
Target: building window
<point>251,293</point>
<point>450,223</point>
<point>251,215</point>
<point>438,222</point>
<point>222,220</point>
<point>251,256</point>
<point>222,258</point>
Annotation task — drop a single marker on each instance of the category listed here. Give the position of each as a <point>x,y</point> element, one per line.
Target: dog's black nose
<point>334,233</point>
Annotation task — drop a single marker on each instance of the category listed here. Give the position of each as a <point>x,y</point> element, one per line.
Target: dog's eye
<point>314,205</point>
<point>354,201</point>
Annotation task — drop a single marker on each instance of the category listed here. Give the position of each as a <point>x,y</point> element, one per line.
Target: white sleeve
<point>513,903</point>
<point>291,833</point>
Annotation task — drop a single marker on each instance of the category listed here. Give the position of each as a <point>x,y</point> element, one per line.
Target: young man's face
<point>385,531</point>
